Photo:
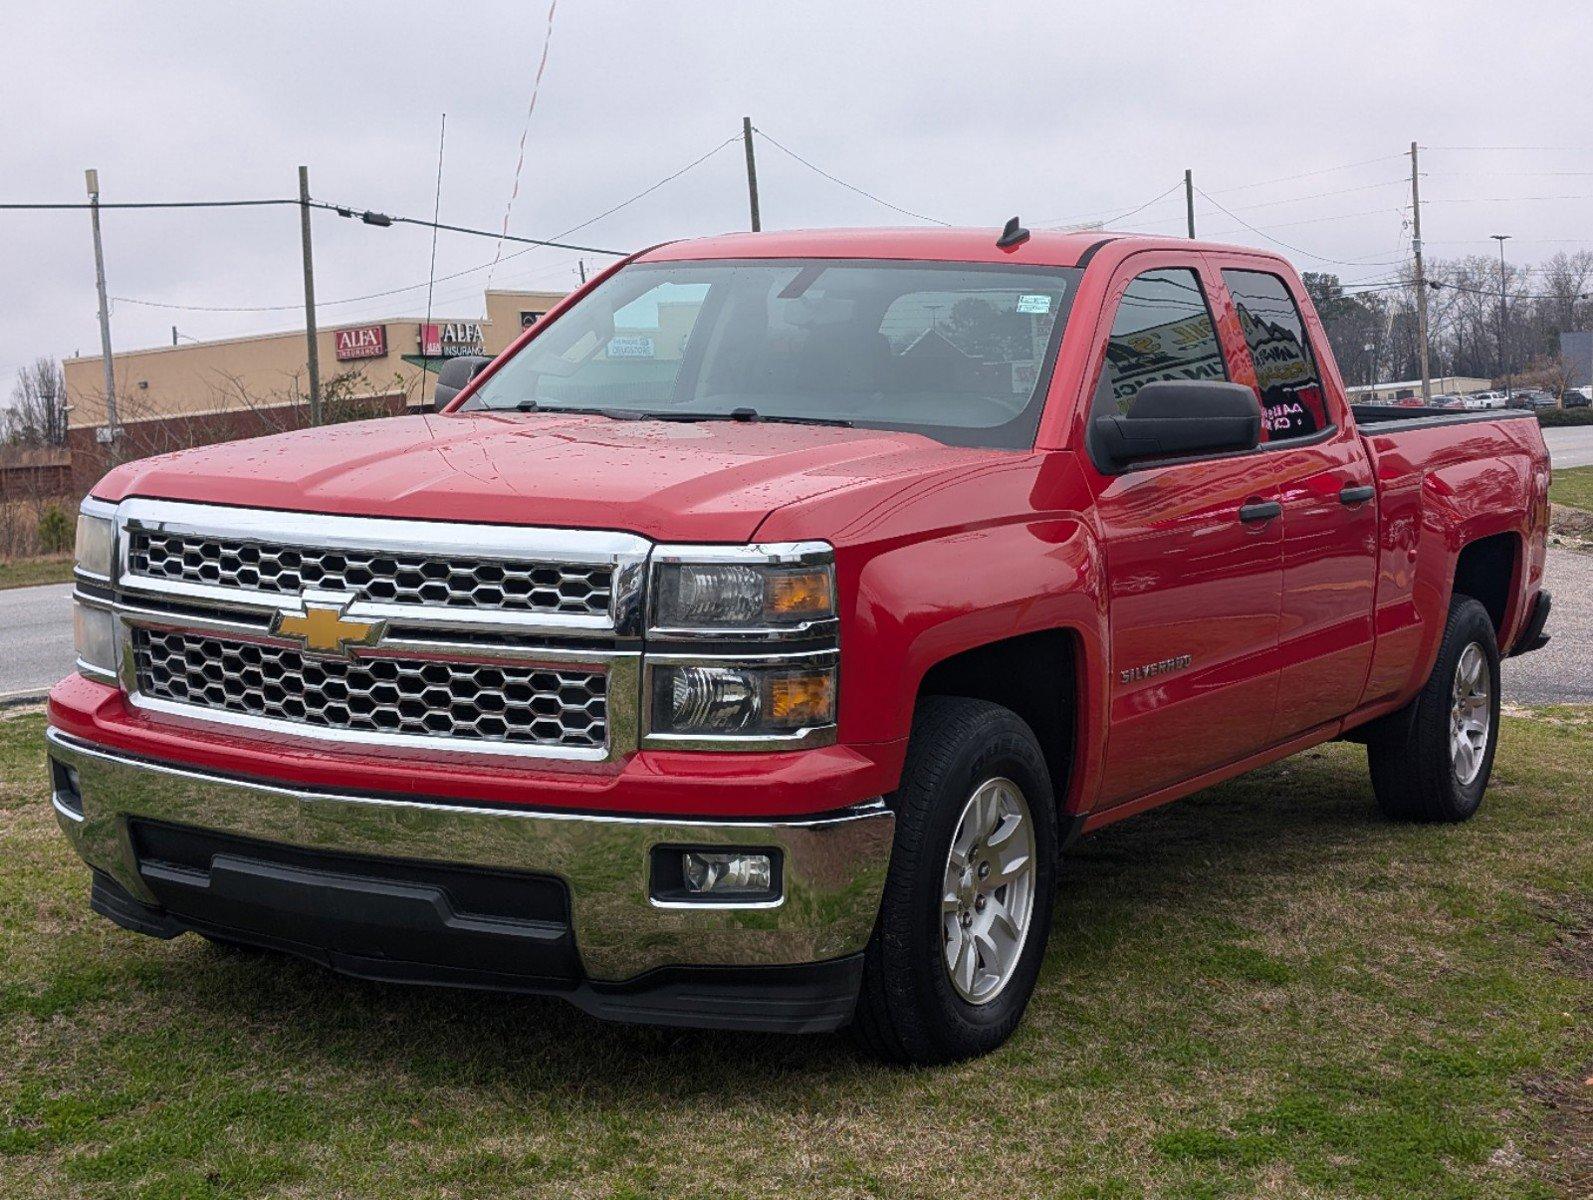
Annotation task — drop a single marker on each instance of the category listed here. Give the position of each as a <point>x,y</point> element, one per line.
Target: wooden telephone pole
<point>1421,277</point>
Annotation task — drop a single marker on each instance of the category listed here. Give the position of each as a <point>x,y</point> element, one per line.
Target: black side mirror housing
<point>454,375</point>
<point>1174,418</point>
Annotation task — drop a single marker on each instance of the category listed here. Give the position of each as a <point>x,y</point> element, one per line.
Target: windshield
<point>957,351</point>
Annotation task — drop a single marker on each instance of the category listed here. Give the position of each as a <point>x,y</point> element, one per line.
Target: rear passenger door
<point>1329,506</point>
<point>1194,588</point>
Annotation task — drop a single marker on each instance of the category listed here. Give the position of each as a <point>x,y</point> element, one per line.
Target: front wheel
<point>1433,760</point>
<point>967,907</point>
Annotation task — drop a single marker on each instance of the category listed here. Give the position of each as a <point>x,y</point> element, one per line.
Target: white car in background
<point>1477,401</point>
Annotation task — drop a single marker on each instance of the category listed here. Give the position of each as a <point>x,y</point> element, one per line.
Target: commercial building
<point>1405,389</point>
<point>169,397</point>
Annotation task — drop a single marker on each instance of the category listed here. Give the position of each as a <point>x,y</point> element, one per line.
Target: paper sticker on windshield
<point>1034,304</point>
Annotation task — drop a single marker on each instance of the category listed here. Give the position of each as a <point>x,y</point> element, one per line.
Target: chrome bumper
<point>834,865</point>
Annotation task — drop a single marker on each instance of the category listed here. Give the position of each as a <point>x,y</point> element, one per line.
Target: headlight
<point>771,589</point>
<point>94,633</point>
<point>96,544</point>
<point>734,701</point>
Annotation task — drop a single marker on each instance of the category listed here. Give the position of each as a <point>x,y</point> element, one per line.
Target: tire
<point>1418,773</point>
<point>965,758</point>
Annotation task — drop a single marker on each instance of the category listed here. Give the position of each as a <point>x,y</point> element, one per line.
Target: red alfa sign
<point>366,341</point>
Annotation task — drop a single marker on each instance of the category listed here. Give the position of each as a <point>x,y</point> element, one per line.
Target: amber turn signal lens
<point>802,699</point>
<point>800,594</point>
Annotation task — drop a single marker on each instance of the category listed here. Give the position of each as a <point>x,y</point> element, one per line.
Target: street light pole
<point>1504,362</point>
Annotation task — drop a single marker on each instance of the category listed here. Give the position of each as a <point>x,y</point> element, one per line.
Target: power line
<point>851,187</point>
<point>371,217</point>
<point>1064,222</point>
<point>151,204</point>
<point>1287,246</point>
<point>436,208</point>
<point>1368,187</point>
<point>1546,149</point>
<point>1501,199</point>
<point>1365,162</point>
<point>696,162</point>
<point>413,287</point>
<point>531,107</point>
<point>1503,174</point>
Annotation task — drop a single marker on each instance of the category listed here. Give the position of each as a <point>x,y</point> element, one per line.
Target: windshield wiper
<point>749,416</point>
<point>616,414</point>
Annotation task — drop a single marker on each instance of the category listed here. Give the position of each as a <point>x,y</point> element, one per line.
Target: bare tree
<point>37,415</point>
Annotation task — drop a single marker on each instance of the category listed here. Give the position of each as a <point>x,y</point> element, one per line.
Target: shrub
<point>55,531</point>
<point>1565,416</point>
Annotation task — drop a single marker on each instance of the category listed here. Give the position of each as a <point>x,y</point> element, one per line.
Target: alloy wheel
<point>987,902</point>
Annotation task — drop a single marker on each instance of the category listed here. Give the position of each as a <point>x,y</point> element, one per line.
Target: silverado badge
<point>1135,674</point>
<point>321,628</point>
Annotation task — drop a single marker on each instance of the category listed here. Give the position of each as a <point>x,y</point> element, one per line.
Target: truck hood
<point>712,481</point>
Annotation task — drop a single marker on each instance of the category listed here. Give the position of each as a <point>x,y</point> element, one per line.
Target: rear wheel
<point>967,907</point>
<point>1432,760</point>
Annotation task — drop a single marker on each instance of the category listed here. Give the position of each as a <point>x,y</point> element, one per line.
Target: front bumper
<point>362,883</point>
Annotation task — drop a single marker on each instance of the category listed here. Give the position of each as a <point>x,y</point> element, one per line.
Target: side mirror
<point>454,375</point>
<point>1171,418</point>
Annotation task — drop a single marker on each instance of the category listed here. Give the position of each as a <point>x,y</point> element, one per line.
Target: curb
<point>26,696</point>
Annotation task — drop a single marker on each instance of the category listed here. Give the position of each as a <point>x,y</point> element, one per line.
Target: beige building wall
<point>506,315</point>
<point>268,370</point>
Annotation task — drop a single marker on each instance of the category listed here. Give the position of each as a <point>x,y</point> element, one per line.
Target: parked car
<point>759,682</point>
<point>1484,400</point>
<point>1577,397</point>
<point>1533,398</point>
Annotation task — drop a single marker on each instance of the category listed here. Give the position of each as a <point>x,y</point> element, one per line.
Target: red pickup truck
<point>743,647</point>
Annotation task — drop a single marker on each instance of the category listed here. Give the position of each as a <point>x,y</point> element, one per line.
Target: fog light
<point>66,788</point>
<point>708,874</point>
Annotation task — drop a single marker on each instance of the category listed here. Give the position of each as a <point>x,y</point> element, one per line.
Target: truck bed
<point>1388,418</point>
<point>1439,489</point>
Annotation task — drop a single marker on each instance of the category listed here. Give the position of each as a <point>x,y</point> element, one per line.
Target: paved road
<point>1570,446</point>
<point>1562,672</point>
<point>35,637</point>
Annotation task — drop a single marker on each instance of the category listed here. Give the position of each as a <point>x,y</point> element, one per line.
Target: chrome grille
<point>513,704</point>
<point>583,589</point>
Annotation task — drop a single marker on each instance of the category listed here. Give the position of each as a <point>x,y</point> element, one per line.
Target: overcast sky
<point>1064,112</point>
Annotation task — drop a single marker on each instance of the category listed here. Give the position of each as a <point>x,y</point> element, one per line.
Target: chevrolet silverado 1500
<point>743,646</point>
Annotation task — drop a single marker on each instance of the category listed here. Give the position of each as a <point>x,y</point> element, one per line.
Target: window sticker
<point>1034,304</point>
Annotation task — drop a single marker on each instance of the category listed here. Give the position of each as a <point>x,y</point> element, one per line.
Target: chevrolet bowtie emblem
<point>323,629</point>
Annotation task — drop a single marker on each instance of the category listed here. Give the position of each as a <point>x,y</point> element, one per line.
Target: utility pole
<point>1421,277</point>
<point>113,427</point>
<point>1189,199</point>
<point>1504,362</point>
<point>752,173</point>
<point>313,363</point>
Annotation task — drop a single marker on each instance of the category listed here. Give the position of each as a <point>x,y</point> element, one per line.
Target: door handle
<point>1260,510</point>
<point>1351,494</point>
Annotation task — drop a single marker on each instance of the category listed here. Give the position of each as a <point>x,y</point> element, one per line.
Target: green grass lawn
<point>1573,486</point>
<point>25,572</point>
<point>1263,990</point>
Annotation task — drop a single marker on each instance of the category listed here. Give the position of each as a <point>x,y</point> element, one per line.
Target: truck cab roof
<point>1041,248</point>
